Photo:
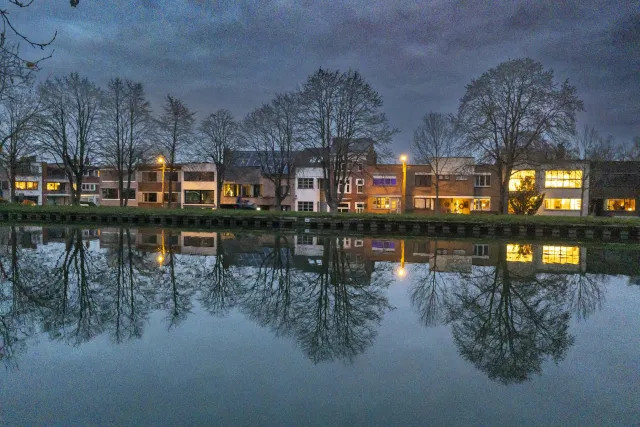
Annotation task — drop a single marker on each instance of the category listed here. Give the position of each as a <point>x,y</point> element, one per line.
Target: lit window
<point>231,190</point>
<point>481,204</point>
<point>560,255</point>
<point>515,182</point>
<point>562,204</point>
<point>422,203</point>
<point>384,180</point>
<point>381,203</point>
<point>563,179</point>
<point>53,186</point>
<point>26,185</point>
<point>519,253</point>
<point>621,205</point>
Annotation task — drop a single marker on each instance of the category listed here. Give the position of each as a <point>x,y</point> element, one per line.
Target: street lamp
<point>403,159</point>
<point>401,272</point>
<point>162,161</point>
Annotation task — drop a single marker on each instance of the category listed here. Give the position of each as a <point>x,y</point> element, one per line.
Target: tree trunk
<point>220,184</point>
<point>437,206</point>
<point>170,192</point>
<point>12,185</point>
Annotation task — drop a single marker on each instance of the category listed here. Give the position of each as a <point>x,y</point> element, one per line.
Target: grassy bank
<point>480,218</point>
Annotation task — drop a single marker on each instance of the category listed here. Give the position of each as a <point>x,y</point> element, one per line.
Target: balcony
<point>156,187</point>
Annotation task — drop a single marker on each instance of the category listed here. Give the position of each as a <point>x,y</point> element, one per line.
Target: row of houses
<point>571,188</point>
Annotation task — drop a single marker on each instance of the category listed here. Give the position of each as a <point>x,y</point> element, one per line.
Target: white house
<point>308,195</point>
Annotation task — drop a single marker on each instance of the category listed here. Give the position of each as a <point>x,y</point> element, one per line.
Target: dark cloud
<point>419,55</point>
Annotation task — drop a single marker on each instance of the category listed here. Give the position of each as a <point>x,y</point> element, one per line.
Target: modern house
<point>28,182</point>
<point>111,191</point>
<point>192,185</point>
<point>57,190</point>
<point>615,188</point>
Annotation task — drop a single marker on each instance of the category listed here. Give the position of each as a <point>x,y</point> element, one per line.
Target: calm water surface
<point>161,327</point>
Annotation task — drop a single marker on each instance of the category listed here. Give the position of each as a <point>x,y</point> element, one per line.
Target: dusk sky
<point>418,55</point>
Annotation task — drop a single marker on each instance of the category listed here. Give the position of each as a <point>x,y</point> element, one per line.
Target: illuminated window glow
<point>621,205</point>
<point>560,255</point>
<point>562,204</point>
<point>53,186</point>
<point>481,204</point>
<point>563,179</point>
<point>519,253</point>
<point>26,185</point>
<point>518,176</point>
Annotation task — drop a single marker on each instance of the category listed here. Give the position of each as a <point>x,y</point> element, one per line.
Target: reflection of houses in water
<point>531,259</point>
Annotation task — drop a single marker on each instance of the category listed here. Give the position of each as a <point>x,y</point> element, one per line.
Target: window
<point>305,183</point>
<point>199,197</point>
<point>149,239</point>
<point>231,190</point>
<point>359,207</point>
<point>442,251</point>
<point>519,253</point>
<point>53,186</point>
<point>384,180</point>
<point>305,206</point>
<point>381,203</point>
<point>358,243</point>
<point>518,176</point>
<point>562,204</point>
<point>444,177</point>
<point>563,179</point>
<point>257,189</point>
<point>150,176</point>
<point>111,193</point>
<point>343,207</point>
<point>462,177</point>
<point>305,239</point>
<point>360,186</point>
<point>131,194</point>
<point>459,252</point>
<point>481,250</point>
<point>621,205</point>
<point>284,191</point>
<point>482,204</point>
<point>88,187</point>
<point>422,180</point>
<point>359,167</point>
<point>199,242</point>
<point>422,203</point>
<point>347,187</point>
<point>174,197</point>
<point>421,248</point>
<point>247,190</point>
<point>560,255</point>
<point>149,197</point>
<point>90,172</point>
<point>383,246</point>
<point>482,181</point>
<point>26,185</point>
<point>199,176</point>
<point>171,176</point>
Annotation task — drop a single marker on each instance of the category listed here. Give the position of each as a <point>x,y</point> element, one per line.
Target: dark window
<point>384,181</point>
<point>423,181</point>
<point>131,194</point>
<point>199,176</point>
<point>305,239</point>
<point>480,250</point>
<point>305,183</point>
<point>483,180</point>
<point>149,239</point>
<point>257,190</point>
<point>109,193</point>
<point>174,197</point>
<point>199,242</point>
<point>444,177</point>
<point>305,206</point>
<point>149,176</point>
<point>150,197</point>
<point>199,197</point>
<point>171,176</point>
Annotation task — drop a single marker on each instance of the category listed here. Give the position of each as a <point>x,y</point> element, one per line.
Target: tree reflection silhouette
<point>507,323</point>
<point>429,292</point>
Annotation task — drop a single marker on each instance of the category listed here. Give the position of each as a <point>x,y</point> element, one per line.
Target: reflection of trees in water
<point>505,320</point>
<point>332,308</point>
<point>218,284</point>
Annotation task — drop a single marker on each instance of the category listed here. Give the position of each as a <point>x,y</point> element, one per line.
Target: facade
<point>565,185</point>
<point>110,193</point>
<point>615,188</point>
<point>28,183</point>
<point>56,189</point>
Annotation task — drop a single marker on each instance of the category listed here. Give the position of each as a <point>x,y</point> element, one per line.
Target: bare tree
<point>339,109</point>
<point>511,107</point>
<point>273,132</point>
<point>68,129</point>
<point>175,131</point>
<point>633,152</point>
<point>18,115</point>
<point>436,142</point>
<point>218,138</point>
<point>126,126</point>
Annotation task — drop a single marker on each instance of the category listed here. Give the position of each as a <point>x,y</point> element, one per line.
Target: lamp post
<point>403,159</point>
<point>401,272</point>
<point>163,163</point>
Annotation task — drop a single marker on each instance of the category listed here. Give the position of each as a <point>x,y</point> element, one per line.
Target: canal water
<point>162,327</point>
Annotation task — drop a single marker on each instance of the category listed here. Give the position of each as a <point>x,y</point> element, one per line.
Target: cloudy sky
<point>418,54</point>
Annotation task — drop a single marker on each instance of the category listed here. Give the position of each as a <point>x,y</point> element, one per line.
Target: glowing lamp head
<point>403,158</point>
<point>160,159</point>
<point>401,272</point>
<point>160,259</point>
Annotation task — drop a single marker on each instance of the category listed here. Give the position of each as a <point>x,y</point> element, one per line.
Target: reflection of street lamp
<point>401,272</point>
<point>403,159</point>
<point>163,163</point>
<point>163,251</point>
